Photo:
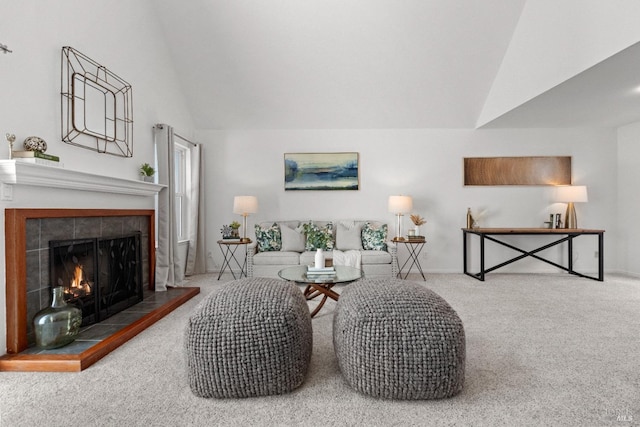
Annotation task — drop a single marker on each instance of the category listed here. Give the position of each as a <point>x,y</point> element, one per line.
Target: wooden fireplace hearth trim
<point>16,266</point>
<point>78,362</point>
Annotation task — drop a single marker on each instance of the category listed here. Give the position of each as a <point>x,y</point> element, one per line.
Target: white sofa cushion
<point>375,257</point>
<point>293,239</point>
<point>348,235</point>
<point>276,258</point>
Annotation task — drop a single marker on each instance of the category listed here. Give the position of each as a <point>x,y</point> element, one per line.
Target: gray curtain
<point>196,260</point>
<point>168,272</point>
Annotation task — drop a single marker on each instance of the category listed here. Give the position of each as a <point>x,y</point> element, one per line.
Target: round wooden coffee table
<point>317,285</point>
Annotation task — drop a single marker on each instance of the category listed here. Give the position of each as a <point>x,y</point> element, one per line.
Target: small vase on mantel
<point>319,259</point>
<point>58,324</point>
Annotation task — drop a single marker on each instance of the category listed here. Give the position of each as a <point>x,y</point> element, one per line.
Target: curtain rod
<point>185,139</point>
<point>161,126</point>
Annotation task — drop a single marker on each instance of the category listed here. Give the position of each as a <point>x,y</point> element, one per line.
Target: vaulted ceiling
<point>367,64</point>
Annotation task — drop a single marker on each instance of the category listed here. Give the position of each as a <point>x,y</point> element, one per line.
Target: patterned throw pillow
<point>268,239</point>
<point>318,238</point>
<point>374,239</point>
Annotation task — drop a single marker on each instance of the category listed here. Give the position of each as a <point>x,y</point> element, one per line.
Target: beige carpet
<point>541,350</point>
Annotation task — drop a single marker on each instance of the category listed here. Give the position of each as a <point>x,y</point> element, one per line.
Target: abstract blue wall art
<point>321,171</point>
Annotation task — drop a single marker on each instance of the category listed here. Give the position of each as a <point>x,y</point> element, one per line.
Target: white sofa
<point>346,235</point>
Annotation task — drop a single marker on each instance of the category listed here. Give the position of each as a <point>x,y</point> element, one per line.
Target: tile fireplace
<point>100,276</point>
<point>48,240</point>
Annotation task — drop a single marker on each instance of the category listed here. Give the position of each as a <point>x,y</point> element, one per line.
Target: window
<point>183,184</point>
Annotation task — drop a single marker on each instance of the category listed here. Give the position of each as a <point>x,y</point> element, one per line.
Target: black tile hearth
<point>93,334</point>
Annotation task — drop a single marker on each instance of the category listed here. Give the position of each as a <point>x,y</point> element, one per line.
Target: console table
<point>561,234</point>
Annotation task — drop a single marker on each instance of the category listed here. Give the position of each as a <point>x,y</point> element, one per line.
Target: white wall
<point>107,32</point>
<point>629,198</point>
<point>548,48</point>
<point>426,164</point>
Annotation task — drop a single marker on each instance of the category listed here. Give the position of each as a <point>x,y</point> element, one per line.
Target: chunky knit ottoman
<point>251,338</point>
<point>398,340</point>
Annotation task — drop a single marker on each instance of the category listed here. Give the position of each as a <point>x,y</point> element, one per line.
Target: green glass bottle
<point>58,324</point>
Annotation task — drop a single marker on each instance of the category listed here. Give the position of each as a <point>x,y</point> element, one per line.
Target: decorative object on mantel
<point>245,205</point>
<point>147,171</point>
<point>571,194</point>
<point>37,157</point>
<point>96,106</point>
<point>35,143</point>
<point>37,154</point>
<point>400,205</point>
<point>11,138</point>
<point>58,324</point>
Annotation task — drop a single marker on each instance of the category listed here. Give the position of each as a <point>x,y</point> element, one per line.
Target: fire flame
<point>78,285</point>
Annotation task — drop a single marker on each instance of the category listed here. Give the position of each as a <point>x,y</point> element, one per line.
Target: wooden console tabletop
<point>532,231</point>
<point>566,234</point>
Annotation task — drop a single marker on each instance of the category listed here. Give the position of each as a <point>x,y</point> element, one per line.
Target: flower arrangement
<point>418,220</point>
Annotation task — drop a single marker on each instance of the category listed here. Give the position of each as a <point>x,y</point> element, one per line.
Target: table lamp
<point>571,194</point>
<point>245,205</point>
<point>400,205</point>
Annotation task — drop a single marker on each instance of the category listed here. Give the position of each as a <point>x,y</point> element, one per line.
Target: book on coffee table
<point>320,270</point>
<point>312,276</point>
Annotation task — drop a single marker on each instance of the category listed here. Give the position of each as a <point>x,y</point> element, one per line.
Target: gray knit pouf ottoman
<point>396,339</point>
<point>251,338</point>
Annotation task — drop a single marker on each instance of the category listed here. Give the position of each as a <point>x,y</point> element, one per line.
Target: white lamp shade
<point>244,205</point>
<point>571,193</point>
<point>400,204</point>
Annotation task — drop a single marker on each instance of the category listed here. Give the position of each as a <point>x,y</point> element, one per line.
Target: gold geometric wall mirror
<point>96,106</point>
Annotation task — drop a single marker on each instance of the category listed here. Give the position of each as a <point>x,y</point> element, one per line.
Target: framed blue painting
<point>321,171</point>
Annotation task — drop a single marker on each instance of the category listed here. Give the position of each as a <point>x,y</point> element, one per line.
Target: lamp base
<point>398,239</point>
<point>245,240</point>
<point>570,219</point>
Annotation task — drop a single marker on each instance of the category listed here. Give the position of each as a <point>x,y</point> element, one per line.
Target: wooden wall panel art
<point>544,170</point>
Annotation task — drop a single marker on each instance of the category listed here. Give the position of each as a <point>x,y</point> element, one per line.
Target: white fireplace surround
<point>30,185</point>
<point>13,172</point>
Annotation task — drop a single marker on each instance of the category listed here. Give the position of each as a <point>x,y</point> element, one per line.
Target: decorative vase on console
<point>58,324</point>
<point>319,259</point>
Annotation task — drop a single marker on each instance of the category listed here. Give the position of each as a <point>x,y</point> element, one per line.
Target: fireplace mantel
<point>13,172</point>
